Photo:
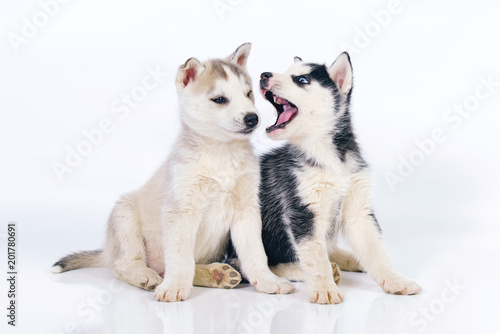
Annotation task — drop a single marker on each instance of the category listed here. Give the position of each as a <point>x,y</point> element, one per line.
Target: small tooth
<point>275,99</point>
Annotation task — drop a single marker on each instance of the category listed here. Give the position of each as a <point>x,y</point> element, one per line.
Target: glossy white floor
<point>458,295</point>
<point>426,66</point>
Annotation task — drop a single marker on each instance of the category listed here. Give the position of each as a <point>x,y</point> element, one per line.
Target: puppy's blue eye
<point>303,80</point>
<point>220,100</point>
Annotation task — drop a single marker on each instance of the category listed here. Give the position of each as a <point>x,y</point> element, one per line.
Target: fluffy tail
<point>87,259</point>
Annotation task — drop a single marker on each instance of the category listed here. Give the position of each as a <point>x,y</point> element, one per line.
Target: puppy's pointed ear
<point>297,59</point>
<point>341,73</point>
<point>240,56</point>
<point>189,72</point>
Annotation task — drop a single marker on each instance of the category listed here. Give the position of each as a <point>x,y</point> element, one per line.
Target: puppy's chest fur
<point>300,198</point>
<point>206,182</point>
<point>222,180</point>
<point>321,188</point>
<point>223,172</point>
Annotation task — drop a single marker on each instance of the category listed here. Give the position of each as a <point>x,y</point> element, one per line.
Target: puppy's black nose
<point>266,75</point>
<point>264,79</point>
<point>251,120</point>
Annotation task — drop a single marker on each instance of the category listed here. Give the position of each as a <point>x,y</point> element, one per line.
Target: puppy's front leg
<point>247,240</point>
<point>318,272</point>
<point>246,234</point>
<point>365,240</point>
<point>179,242</point>
<point>362,232</point>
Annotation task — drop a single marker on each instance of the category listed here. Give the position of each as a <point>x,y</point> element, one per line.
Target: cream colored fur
<point>207,187</point>
<point>293,271</point>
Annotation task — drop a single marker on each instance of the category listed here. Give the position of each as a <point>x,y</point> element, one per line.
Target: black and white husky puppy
<point>317,186</point>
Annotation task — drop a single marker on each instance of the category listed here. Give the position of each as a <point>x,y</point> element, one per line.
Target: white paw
<point>144,278</point>
<point>273,284</point>
<point>326,295</point>
<point>150,280</point>
<point>399,285</point>
<point>172,292</point>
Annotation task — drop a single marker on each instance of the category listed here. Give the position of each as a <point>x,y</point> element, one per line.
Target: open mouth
<point>286,110</point>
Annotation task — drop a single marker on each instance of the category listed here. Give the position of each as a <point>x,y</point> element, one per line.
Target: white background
<point>440,224</point>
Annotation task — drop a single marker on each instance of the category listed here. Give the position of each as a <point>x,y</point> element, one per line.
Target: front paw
<point>172,292</point>
<point>273,285</point>
<point>399,285</point>
<point>325,295</point>
<point>149,279</point>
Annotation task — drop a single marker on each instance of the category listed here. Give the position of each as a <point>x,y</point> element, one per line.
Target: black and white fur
<point>317,186</point>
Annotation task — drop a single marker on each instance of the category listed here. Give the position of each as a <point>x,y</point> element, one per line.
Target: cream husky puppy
<point>179,222</point>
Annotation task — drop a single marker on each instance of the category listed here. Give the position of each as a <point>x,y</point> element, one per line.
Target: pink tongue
<point>288,112</point>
